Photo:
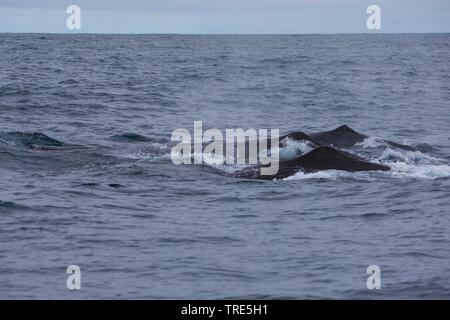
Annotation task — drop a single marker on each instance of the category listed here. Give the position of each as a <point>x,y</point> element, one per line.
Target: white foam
<point>409,157</point>
<point>427,171</point>
<point>403,164</point>
<point>214,161</point>
<point>294,148</point>
<point>414,164</point>
<point>372,142</point>
<point>153,151</point>
<point>331,175</point>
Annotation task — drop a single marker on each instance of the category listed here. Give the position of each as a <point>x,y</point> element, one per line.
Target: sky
<point>225,16</point>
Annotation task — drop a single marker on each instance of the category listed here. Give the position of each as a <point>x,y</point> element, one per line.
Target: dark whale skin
<point>341,137</point>
<point>319,159</point>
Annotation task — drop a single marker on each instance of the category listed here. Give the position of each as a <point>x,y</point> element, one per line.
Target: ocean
<point>87,178</point>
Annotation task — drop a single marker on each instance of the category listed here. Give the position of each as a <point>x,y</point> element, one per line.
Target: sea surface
<point>87,178</point>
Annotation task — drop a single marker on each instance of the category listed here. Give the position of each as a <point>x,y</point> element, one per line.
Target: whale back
<point>324,158</point>
<point>341,137</point>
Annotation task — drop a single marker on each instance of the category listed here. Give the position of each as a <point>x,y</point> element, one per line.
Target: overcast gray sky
<point>225,16</point>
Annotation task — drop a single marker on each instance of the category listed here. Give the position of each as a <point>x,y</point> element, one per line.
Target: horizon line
<point>225,34</point>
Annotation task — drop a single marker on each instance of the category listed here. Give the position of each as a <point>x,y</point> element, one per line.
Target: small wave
<point>69,81</point>
<point>12,91</point>
<point>424,147</point>
<point>348,61</point>
<point>7,206</point>
<point>116,185</point>
<point>129,137</point>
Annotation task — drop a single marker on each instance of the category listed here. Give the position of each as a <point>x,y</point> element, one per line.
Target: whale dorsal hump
<point>344,128</point>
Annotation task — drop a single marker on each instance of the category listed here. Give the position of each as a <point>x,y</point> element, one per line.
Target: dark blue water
<point>140,227</point>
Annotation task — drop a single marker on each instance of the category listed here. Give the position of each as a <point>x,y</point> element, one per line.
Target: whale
<point>318,159</point>
<point>325,154</point>
<point>341,137</point>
